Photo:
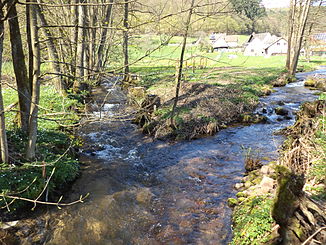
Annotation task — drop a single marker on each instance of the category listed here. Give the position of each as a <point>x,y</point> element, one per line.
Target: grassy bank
<point>55,154</point>
<point>212,96</point>
<point>304,154</point>
<point>218,89</point>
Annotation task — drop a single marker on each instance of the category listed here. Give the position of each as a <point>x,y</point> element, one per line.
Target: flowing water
<point>145,191</point>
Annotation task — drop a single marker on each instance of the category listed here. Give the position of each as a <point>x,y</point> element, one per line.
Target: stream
<point>145,191</point>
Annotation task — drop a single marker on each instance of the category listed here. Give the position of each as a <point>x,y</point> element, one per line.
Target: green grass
<point>318,168</point>
<point>24,179</point>
<point>252,221</point>
<point>8,69</point>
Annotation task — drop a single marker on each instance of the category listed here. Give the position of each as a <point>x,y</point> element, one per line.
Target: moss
<point>232,202</point>
<point>310,83</point>
<point>257,180</point>
<point>298,229</point>
<point>241,194</point>
<point>289,189</point>
<point>241,199</point>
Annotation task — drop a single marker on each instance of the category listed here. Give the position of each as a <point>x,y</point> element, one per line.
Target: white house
<point>277,47</point>
<point>222,41</point>
<point>265,44</point>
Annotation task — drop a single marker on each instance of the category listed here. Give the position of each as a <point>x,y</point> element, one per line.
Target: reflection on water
<point>145,191</point>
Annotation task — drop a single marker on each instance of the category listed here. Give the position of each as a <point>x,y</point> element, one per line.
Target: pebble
<point>238,186</point>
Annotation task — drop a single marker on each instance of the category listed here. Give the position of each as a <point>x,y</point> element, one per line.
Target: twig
<point>45,187</point>
<point>309,238</point>
<point>58,204</point>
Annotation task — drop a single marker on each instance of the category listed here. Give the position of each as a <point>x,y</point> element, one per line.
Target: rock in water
<point>281,111</point>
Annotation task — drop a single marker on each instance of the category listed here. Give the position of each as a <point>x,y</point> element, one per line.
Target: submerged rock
<point>281,111</point>
<point>310,83</point>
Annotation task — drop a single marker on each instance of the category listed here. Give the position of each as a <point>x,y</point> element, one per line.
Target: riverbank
<point>266,211</point>
<point>206,107</point>
<point>56,164</point>
<point>210,99</point>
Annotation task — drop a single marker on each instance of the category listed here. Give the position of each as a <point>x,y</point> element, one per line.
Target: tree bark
<point>297,26</point>
<point>80,71</point>
<point>29,43</point>
<point>3,135</point>
<point>74,36</point>
<point>53,53</point>
<point>290,33</point>
<point>180,68</point>
<point>18,58</point>
<point>126,39</point>
<point>103,37</point>
<point>302,26</point>
<point>32,134</point>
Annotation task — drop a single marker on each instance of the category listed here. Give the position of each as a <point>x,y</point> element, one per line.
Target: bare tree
<point>126,38</point>
<point>3,135</point>
<point>32,134</point>
<point>299,10</point>
<point>18,58</point>
<point>80,68</point>
<point>103,38</point>
<point>180,67</point>
<point>53,52</point>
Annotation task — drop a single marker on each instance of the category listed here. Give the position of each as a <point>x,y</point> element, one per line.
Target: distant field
<point>196,56</point>
<point>158,69</point>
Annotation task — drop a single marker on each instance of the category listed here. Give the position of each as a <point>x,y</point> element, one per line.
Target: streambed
<point>145,191</point>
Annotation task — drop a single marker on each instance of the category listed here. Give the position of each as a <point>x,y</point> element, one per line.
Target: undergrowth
<point>318,168</point>
<point>252,221</point>
<point>54,150</point>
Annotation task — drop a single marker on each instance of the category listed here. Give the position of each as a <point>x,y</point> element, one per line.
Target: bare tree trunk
<point>18,58</point>
<point>29,43</point>
<point>3,135</point>
<point>103,37</point>
<point>75,36</point>
<point>300,11</point>
<point>180,68</point>
<point>32,134</point>
<point>290,34</point>
<point>126,38</point>
<point>93,18</point>
<point>301,30</point>
<point>80,68</point>
<point>53,53</point>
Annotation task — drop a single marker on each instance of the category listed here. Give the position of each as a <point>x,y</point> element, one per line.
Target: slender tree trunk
<point>3,135</point>
<point>103,38</point>
<point>300,11</point>
<point>290,34</point>
<point>18,58</point>
<point>29,43</point>
<point>53,53</point>
<point>80,69</point>
<point>301,30</point>
<point>74,36</point>
<point>93,17</point>
<point>32,134</point>
<point>180,68</point>
<point>126,38</point>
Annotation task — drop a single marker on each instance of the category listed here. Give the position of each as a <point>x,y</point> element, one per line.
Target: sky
<point>276,3</point>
